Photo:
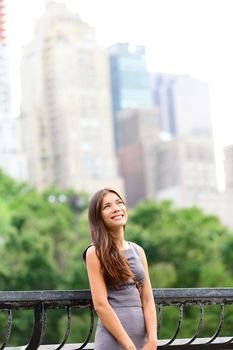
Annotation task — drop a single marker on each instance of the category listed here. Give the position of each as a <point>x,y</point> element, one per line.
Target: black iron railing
<point>42,301</point>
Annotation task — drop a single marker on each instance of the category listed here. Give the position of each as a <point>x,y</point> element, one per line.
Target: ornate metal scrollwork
<point>41,301</point>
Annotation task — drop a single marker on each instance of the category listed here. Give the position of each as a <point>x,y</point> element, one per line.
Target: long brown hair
<point>114,265</point>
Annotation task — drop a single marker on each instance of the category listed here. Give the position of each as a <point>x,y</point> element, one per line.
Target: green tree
<point>185,248</point>
<point>186,239</point>
<point>40,245</point>
<point>43,236</point>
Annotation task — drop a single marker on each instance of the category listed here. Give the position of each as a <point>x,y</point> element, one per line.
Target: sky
<point>192,37</point>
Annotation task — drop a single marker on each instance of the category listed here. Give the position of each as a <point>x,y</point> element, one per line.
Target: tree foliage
<point>43,236</point>
<point>185,248</point>
<point>183,240</point>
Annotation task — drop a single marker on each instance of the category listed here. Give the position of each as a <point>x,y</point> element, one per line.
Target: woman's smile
<point>117,217</point>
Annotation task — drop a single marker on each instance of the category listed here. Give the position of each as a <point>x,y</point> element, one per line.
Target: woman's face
<point>113,211</point>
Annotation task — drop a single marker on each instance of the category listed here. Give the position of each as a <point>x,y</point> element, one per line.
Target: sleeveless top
<point>128,295</point>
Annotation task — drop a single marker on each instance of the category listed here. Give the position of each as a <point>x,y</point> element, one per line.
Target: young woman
<point>119,279</point>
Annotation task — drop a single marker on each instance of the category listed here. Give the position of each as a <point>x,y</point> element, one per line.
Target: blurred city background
<point>129,95</point>
<point>84,107</point>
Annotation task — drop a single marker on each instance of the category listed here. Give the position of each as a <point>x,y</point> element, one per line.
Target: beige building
<point>186,167</point>
<point>186,174</point>
<point>218,203</point>
<point>228,166</point>
<point>66,105</point>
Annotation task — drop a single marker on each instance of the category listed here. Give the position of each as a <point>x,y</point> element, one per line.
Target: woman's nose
<point>115,208</point>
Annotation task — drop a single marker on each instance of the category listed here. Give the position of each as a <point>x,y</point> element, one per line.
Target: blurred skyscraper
<point>4,67</point>
<point>130,80</point>
<point>186,171</point>
<point>11,158</point>
<point>186,167</point>
<point>2,21</point>
<point>66,105</point>
<point>139,134</point>
<point>169,153</point>
<point>154,167</point>
<point>184,104</point>
<point>228,166</point>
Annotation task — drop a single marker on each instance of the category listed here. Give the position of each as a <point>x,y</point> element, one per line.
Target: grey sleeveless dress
<point>126,302</point>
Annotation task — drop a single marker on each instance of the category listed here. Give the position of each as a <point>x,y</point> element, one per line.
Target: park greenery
<point>43,236</point>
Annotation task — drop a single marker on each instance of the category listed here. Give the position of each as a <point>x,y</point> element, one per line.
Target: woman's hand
<point>150,345</point>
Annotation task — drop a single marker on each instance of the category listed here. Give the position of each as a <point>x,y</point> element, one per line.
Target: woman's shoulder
<point>90,250</point>
<point>138,250</point>
<point>136,246</point>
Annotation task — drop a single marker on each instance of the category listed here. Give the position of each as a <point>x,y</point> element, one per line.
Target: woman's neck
<point>121,245</point>
<point>119,239</point>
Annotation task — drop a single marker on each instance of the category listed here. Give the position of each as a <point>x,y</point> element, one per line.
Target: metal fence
<point>40,302</point>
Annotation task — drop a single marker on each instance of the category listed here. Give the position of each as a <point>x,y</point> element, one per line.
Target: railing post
<point>39,327</point>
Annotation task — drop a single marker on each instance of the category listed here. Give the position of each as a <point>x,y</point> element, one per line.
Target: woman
<point>119,279</point>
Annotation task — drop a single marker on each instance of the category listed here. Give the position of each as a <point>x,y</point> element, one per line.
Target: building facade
<point>66,105</point>
<point>186,168</point>
<point>184,104</point>
<point>2,21</point>
<point>139,134</point>
<point>130,81</point>
<point>4,82</point>
<point>228,167</point>
<point>4,67</point>
<point>186,174</point>
<point>12,160</point>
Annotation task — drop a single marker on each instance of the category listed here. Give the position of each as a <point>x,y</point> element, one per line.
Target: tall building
<point>221,203</point>
<point>228,166</point>
<point>11,157</point>
<point>4,67</point>
<point>12,160</point>
<point>186,172</point>
<point>66,105</point>
<point>139,133</point>
<point>2,21</point>
<point>186,169</point>
<point>184,104</point>
<point>130,81</point>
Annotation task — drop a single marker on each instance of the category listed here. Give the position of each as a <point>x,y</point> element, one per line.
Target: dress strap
<point>85,252</point>
<point>134,246</point>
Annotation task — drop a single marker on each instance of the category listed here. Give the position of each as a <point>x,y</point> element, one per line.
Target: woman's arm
<point>102,307</point>
<point>148,307</point>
